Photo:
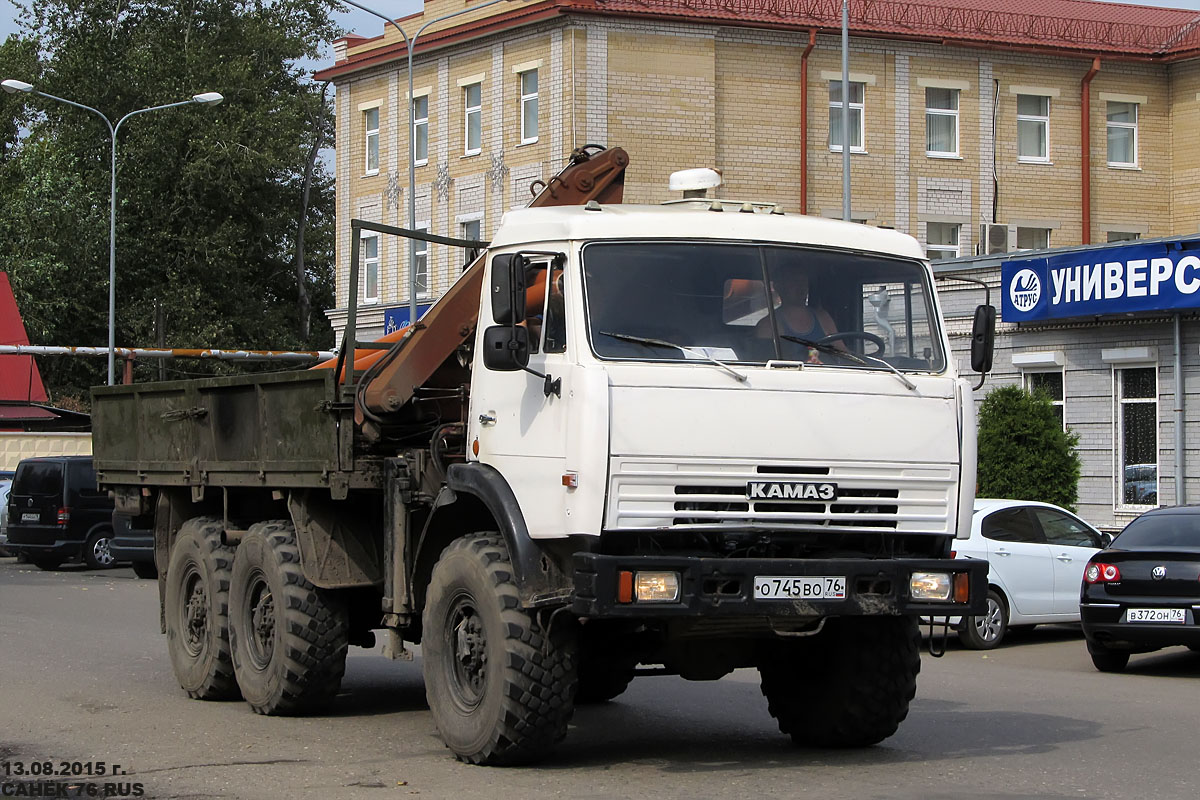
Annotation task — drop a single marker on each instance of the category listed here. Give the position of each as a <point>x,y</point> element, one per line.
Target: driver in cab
<point>795,317</point>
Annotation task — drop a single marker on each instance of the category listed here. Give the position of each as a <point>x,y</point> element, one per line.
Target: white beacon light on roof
<point>694,182</point>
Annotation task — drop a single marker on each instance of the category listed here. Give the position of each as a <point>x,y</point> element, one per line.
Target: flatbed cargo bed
<point>281,429</point>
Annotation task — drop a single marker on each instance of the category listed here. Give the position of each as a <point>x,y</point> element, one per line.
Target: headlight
<point>656,587</point>
<point>929,586</point>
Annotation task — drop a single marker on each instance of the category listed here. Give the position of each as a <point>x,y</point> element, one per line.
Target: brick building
<point>967,121</point>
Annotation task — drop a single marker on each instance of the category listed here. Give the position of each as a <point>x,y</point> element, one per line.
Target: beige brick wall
<point>1185,147</point>
<point>684,95</point>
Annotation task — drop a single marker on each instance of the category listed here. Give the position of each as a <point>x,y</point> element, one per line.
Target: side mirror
<point>983,338</point>
<point>1106,539</point>
<point>506,348</point>
<point>508,288</point>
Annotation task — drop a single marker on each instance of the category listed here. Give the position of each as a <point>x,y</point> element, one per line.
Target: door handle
<point>1063,557</point>
<point>1003,553</point>
<point>487,419</point>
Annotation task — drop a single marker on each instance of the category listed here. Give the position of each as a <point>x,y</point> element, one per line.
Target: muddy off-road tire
<point>500,687</point>
<point>848,686</point>
<point>197,611</point>
<point>289,638</point>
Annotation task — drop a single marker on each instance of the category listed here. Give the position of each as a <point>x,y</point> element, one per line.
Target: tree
<point>1024,453</point>
<point>210,199</point>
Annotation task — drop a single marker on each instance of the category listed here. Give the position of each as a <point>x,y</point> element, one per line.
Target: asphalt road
<point>84,676</point>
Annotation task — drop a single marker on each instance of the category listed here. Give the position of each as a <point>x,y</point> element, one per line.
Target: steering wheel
<point>842,336</point>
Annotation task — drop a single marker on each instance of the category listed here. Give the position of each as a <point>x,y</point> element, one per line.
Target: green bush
<point>1024,454</point>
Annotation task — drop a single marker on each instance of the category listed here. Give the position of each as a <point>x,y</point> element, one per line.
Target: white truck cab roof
<point>695,219</point>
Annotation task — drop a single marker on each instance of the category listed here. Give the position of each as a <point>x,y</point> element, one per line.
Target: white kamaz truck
<point>609,450</point>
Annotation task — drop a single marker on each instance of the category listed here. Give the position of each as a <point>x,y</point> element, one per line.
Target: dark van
<point>55,513</point>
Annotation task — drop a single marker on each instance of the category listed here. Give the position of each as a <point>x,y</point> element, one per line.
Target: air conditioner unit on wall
<point>994,238</point>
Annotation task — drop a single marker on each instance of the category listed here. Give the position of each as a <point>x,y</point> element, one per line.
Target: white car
<point>1036,554</point>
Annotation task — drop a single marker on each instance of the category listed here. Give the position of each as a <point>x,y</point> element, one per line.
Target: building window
<point>371,125</point>
<point>941,122</point>
<point>420,112</point>
<point>473,105</point>
<point>1137,436</point>
<point>529,106</point>
<point>855,110</point>
<point>370,256</point>
<point>1123,236</point>
<point>1033,238</point>
<point>1122,134</point>
<point>421,263</point>
<point>1033,128</point>
<point>1051,385</point>
<point>469,229</point>
<point>942,240</point>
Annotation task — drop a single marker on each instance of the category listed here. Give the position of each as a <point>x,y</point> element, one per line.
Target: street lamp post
<point>207,98</point>
<point>409,45</point>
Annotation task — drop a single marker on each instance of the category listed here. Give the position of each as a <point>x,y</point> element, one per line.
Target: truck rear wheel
<point>848,686</point>
<point>289,638</point>
<point>197,611</point>
<point>500,686</point>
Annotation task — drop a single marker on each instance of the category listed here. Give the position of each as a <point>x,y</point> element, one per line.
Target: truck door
<point>521,430</point>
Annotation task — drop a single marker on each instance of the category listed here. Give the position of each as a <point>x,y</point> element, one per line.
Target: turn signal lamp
<point>656,587</point>
<point>929,586</point>
<point>1101,573</point>
<point>962,587</point>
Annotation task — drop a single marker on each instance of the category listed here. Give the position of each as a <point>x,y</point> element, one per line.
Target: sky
<point>367,25</point>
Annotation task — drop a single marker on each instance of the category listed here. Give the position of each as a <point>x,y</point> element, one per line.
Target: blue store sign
<point>1163,276</point>
<point>396,318</point>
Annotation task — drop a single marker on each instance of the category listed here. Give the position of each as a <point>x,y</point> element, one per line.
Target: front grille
<point>871,497</point>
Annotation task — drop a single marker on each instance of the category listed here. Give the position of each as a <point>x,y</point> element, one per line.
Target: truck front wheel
<point>197,611</point>
<point>848,686</point>
<point>289,638</point>
<point>499,684</point>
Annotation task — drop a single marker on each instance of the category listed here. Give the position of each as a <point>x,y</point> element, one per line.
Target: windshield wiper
<point>664,343</point>
<point>825,348</point>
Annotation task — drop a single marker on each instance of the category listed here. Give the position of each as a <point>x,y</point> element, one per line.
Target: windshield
<point>747,303</point>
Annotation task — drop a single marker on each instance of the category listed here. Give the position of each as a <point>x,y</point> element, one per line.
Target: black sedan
<point>1142,592</point>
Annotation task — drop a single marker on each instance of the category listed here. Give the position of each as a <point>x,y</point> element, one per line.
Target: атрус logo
<point>1025,290</point>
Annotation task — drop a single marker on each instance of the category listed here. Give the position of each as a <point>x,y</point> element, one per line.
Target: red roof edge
<point>20,380</point>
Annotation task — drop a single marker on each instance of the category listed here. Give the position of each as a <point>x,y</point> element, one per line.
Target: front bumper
<point>724,587</point>
<point>1103,625</point>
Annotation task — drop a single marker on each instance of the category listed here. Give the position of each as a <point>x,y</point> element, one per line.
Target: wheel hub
<point>102,551</point>
<point>988,625</point>
<point>195,615</point>
<point>470,653</point>
<point>262,622</point>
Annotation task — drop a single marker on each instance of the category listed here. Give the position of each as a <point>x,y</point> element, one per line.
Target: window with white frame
<point>529,106</point>
<point>1033,238</point>
<point>420,112</point>
<point>1033,128</point>
<point>469,229</point>
<point>421,263</point>
<point>1123,236</point>
<point>854,111</point>
<point>941,121</point>
<point>370,268</point>
<point>371,127</point>
<point>1049,383</point>
<point>941,240</point>
<point>473,110</point>
<point>1136,394</point>
<point>1122,134</point>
